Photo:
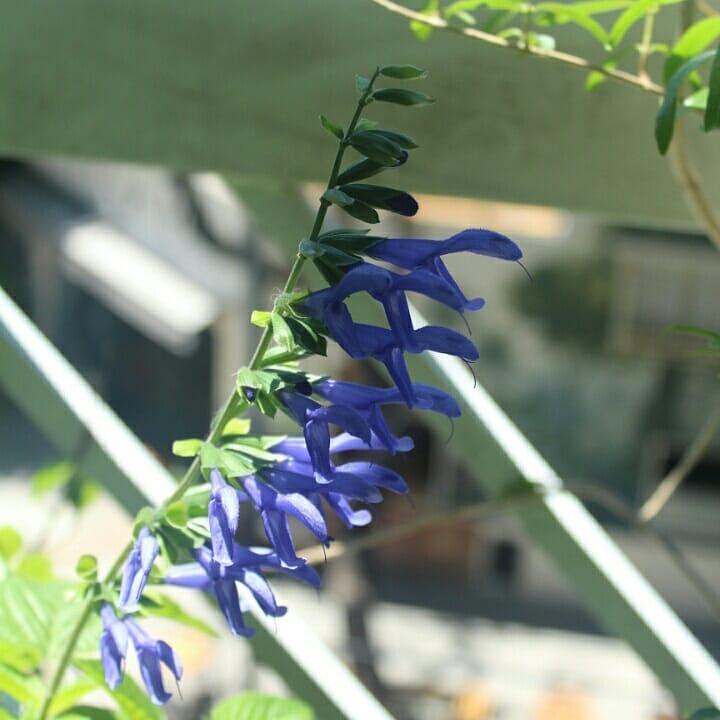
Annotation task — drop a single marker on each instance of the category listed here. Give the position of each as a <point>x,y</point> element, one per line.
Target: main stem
<point>228,411</point>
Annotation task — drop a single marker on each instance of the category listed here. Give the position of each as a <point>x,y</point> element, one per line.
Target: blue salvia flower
<point>223,517</point>
<point>151,654</point>
<point>113,646</point>
<point>137,569</point>
<point>274,507</point>
<point>221,580</point>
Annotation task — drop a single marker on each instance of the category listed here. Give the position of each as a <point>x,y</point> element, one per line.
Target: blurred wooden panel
<point>237,87</point>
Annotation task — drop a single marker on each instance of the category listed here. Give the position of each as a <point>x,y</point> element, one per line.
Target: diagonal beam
<point>612,587</point>
<point>51,393</point>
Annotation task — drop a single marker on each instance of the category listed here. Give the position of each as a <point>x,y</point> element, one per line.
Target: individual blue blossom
<point>274,507</point>
<point>368,401</point>
<point>223,517</point>
<point>151,654</point>
<point>137,569</point>
<point>221,580</point>
<point>315,420</point>
<point>113,646</point>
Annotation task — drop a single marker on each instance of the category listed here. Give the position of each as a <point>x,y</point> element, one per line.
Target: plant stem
<point>560,57</point>
<point>228,411</point>
<point>645,46</point>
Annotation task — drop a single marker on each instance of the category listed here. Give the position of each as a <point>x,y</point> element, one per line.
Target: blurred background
<point>143,265</point>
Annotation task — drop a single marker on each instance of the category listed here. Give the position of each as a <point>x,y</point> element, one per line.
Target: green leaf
<point>403,72</point>
<point>422,31</point>
<point>712,110</point>
<point>594,79</point>
<point>399,96</point>
<point>35,566</point>
<point>404,141</point>
<point>88,712</point>
<point>360,171</point>
<point>665,119</point>
<point>281,332</point>
<point>230,464</point>
<point>260,318</point>
<point>187,448</point>
<point>377,147</point>
<point>68,695</point>
<point>337,197</point>
<point>237,426</point>
<point>160,605</point>
<point>353,207</point>
<point>559,13</point>
<point>306,337</point>
<point>541,41</point>
<point>53,476</point>
<point>365,124</point>
<point>10,541</point>
<point>332,128</point>
<point>693,41</point>
<point>134,702</point>
<point>87,568</point>
<point>258,706</point>
<point>26,690</point>
<point>349,240</point>
<point>696,101</point>
<point>330,272</point>
<point>177,514</point>
<point>636,11</point>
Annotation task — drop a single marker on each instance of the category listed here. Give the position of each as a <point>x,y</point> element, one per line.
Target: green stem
<point>228,411</point>
<point>645,45</point>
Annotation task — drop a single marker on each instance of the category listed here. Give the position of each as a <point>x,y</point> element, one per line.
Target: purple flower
<point>208,575</point>
<point>274,508</point>
<point>113,646</point>
<point>223,517</point>
<point>137,569</point>
<point>150,654</point>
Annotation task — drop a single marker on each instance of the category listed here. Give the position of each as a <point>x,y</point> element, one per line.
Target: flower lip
<point>137,570</point>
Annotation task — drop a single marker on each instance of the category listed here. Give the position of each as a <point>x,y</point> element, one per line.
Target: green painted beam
<point>237,87</point>
<point>52,394</point>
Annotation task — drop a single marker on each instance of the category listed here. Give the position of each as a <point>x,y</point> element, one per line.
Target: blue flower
<point>208,575</point>
<point>368,401</point>
<point>223,517</point>
<point>274,508</point>
<point>137,569</point>
<point>150,654</point>
<point>315,420</point>
<point>113,646</point>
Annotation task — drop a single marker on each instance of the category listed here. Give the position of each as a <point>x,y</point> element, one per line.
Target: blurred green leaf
<point>35,566</point>
<point>177,514</point>
<point>422,31</point>
<point>665,119</point>
<point>635,12</point>
<point>260,318</point>
<point>10,541</point>
<point>400,96</point>
<point>705,714</point>
<point>52,476</point>
<point>189,447</point>
<point>68,695</point>
<point>696,101</point>
<point>26,690</point>
<point>87,568</point>
<point>712,109</point>
<point>159,605</point>
<point>332,128</point>
<point>694,40</point>
<point>88,712</point>
<point>361,83</point>
<point>404,141</point>
<point>403,72</point>
<point>594,79</point>
<point>258,706</point>
<point>559,13</point>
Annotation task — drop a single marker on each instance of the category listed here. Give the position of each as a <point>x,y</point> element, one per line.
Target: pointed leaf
<point>665,119</point>
<point>403,72</point>
<point>187,448</point>
<point>712,110</point>
<point>281,332</point>
<point>332,128</point>
<point>399,96</point>
<point>377,147</point>
<point>694,40</point>
<point>404,141</point>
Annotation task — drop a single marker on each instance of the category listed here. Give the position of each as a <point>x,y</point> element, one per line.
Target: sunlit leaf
<point>694,40</point>
<point>258,706</point>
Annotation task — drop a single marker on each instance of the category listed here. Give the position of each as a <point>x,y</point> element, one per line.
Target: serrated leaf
<point>712,109</point>
<point>665,119</point>
<point>258,706</point>
<point>332,128</point>
<point>86,568</point>
<point>160,605</point>
<point>134,702</point>
<point>694,40</point>
<point>189,447</point>
<point>10,542</point>
<point>260,318</point>
<point>399,96</point>
<point>403,72</point>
